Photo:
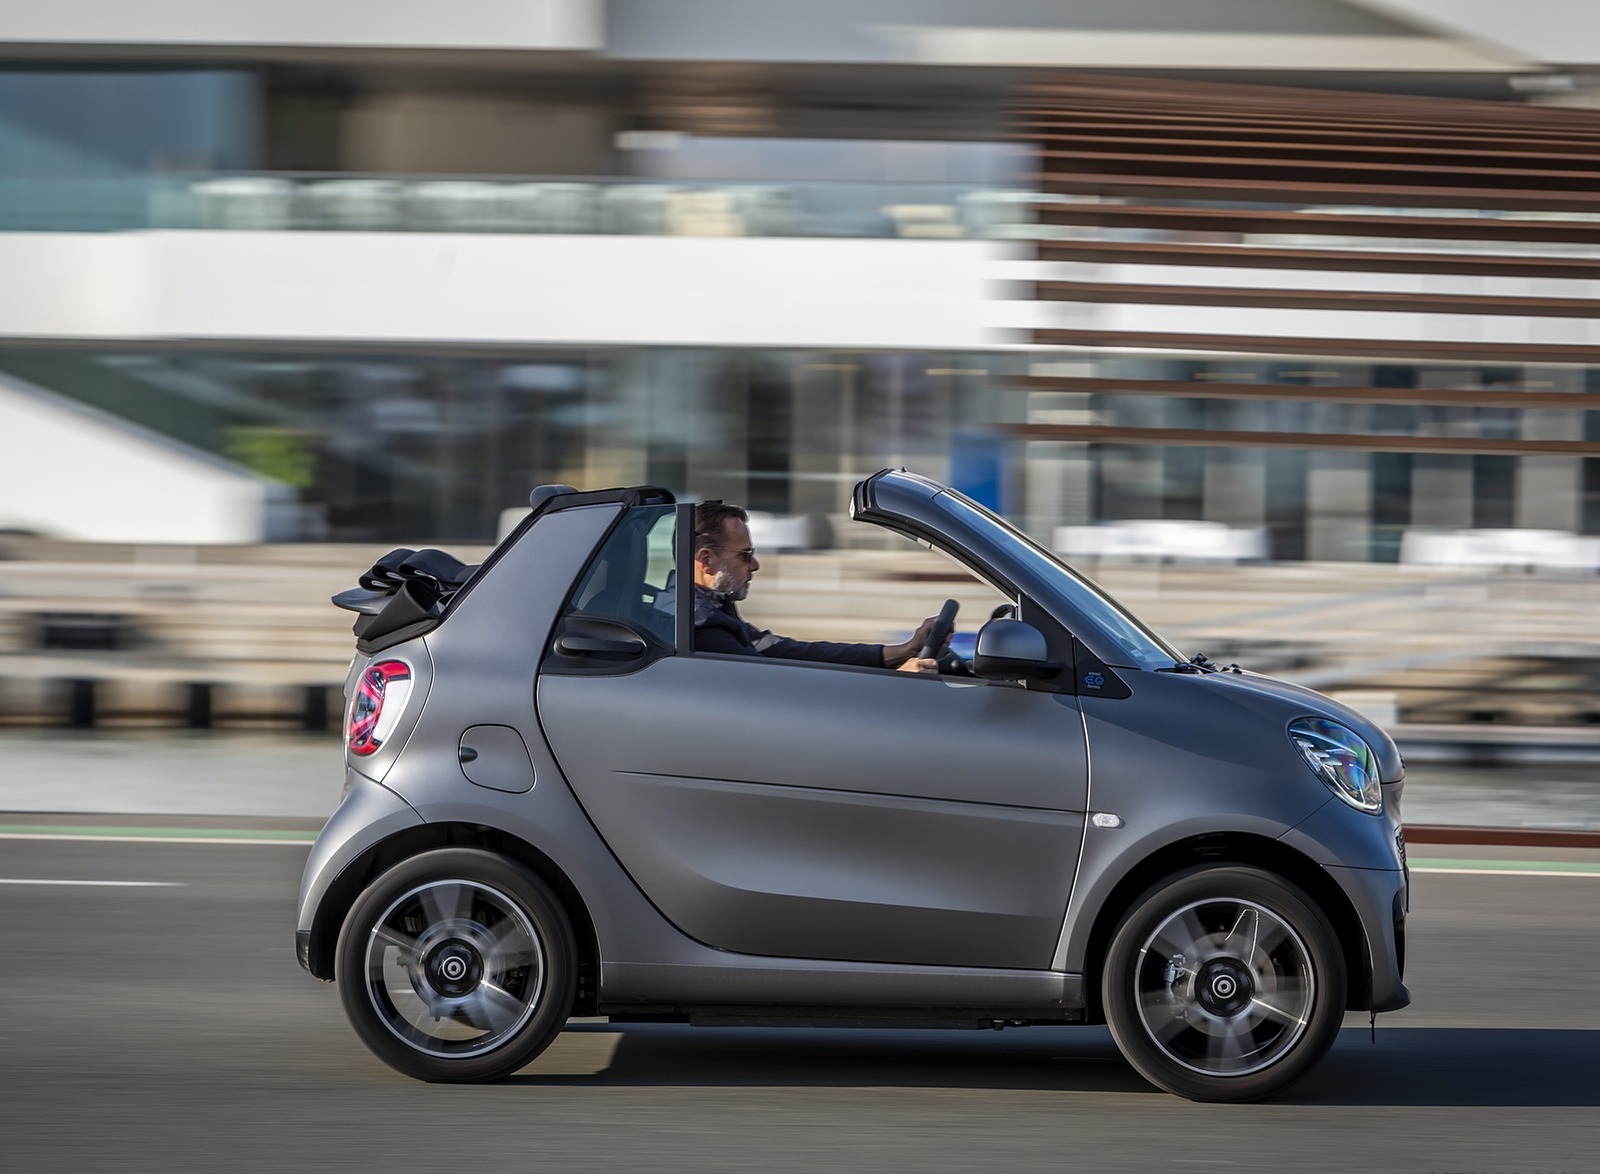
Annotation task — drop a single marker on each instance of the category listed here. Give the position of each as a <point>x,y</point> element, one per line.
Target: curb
<point>1503,837</point>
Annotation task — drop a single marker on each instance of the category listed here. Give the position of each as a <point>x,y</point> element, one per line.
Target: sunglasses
<point>747,553</point>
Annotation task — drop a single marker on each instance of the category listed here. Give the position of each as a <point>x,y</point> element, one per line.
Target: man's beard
<point>727,583</point>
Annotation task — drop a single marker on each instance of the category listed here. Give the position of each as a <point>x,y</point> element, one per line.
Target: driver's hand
<point>895,656</point>
<point>920,664</point>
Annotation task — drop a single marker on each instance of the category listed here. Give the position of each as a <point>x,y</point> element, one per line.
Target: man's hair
<point>711,522</point>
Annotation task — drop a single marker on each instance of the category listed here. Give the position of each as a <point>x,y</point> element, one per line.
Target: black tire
<point>1224,983</point>
<point>457,965</point>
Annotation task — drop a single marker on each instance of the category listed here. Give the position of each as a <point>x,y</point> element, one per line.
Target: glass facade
<point>86,148</point>
<point>434,445</point>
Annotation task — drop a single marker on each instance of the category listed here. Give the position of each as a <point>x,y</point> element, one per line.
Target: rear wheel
<point>457,965</point>
<point>1224,984</point>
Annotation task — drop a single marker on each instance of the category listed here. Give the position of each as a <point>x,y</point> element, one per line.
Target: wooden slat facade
<point>1316,299</point>
<point>1124,155</point>
<point>1273,219</point>
<point>1349,190</point>
<point>1581,268</point>
<point>1452,397</point>
<point>1387,349</point>
<point>1359,442</point>
<point>1431,393</point>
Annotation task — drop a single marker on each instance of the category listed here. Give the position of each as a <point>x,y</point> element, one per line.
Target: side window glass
<point>631,577</point>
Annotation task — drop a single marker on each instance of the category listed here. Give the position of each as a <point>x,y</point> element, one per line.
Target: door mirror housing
<point>1010,650</point>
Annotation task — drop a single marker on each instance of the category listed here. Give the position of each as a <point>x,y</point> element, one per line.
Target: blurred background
<point>1275,316</point>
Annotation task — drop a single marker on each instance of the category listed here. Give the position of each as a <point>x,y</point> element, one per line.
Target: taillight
<point>381,696</point>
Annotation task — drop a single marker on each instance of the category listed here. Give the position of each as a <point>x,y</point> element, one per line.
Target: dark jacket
<point>719,628</point>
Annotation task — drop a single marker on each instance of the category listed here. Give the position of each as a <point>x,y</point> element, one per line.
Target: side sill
<point>803,985</point>
<point>849,1018</point>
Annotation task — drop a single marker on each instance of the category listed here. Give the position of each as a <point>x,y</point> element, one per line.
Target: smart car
<point>554,806</point>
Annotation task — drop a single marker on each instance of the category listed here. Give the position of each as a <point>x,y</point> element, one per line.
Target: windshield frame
<point>1125,640</point>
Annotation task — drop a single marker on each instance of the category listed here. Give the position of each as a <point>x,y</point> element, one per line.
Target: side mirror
<point>1010,650</point>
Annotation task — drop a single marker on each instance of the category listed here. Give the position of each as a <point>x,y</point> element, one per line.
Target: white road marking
<point>103,883</point>
<point>295,843</point>
<point>1505,872</point>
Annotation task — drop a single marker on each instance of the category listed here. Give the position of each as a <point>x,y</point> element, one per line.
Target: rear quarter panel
<point>485,660</point>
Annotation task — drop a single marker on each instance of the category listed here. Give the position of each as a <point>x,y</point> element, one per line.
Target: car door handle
<point>573,645</point>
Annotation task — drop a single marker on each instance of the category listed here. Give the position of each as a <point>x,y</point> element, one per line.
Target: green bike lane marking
<point>154,835</point>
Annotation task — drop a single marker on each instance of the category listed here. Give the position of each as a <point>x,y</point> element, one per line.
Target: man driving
<point>725,562</point>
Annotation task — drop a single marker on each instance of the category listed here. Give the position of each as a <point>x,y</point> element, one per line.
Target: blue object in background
<point>977,461</point>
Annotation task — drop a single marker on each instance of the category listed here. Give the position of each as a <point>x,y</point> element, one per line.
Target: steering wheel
<point>950,662</point>
<point>940,632</point>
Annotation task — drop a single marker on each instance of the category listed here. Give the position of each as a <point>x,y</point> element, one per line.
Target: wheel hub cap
<point>454,968</point>
<point>1224,986</point>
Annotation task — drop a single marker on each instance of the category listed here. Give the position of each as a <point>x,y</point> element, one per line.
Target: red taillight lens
<point>380,699</point>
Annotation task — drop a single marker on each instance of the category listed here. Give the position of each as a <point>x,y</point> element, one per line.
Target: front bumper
<point>1378,897</point>
<point>1364,855</point>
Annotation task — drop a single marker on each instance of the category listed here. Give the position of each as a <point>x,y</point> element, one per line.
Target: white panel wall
<point>413,287</point>
<point>1117,49</point>
<point>669,291</point>
<point>460,24</point>
<point>71,472</point>
<point>1559,31</point>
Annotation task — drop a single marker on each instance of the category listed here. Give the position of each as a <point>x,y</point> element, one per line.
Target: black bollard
<point>80,704</point>
<point>199,712</point>
<point>314,713</point>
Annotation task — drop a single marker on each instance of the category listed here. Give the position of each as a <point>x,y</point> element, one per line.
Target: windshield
<point>1142,646</point>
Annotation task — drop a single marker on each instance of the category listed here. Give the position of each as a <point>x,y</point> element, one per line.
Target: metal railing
<point>314,201</point>
<point>368,203</point>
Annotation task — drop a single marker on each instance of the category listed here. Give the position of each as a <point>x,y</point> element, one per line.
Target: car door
<point>813,810</point>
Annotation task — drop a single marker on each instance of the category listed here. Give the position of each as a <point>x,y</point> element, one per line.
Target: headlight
<point>1340,759</point>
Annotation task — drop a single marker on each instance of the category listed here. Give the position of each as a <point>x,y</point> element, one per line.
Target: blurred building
<point>368,271</point>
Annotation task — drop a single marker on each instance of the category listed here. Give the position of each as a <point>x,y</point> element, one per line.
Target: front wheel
<point>1224,984</point>
<point>456,965</point>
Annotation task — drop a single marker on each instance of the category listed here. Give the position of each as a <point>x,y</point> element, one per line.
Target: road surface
<point>152,1018</point>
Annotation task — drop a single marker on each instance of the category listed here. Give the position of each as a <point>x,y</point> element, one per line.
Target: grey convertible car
<point>555,806</point>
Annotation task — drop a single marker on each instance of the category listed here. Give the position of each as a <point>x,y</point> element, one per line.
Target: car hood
<point>1297,701</point>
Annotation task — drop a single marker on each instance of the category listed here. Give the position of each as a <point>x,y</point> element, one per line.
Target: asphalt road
<point>168,1028</point>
